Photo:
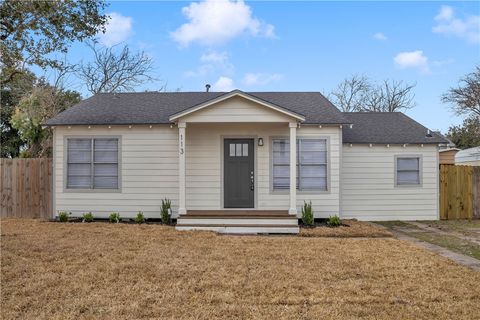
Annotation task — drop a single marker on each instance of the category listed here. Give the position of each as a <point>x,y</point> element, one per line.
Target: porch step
<point>229,221</point>
<point>239,221</point>
<point>250,229</point>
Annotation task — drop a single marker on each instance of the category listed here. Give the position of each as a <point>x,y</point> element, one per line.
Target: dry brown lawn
<point>349,229</point>
<point>104,271</point>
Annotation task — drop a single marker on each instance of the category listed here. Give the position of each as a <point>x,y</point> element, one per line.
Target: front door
<point>238,173</point>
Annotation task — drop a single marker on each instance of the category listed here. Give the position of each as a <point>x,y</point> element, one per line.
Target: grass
<point>118,271</point>
<point>465,227</point>
<point>390,224</point>
<point>450,242</point>
<point>348,229</point>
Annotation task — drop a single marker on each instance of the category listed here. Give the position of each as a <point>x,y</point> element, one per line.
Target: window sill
<point>408,185</point>
<point>307,192</point>
<point>69,190</point>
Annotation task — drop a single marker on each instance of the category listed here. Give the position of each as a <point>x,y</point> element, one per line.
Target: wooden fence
<point>26,188</point>
<point>459,192</point>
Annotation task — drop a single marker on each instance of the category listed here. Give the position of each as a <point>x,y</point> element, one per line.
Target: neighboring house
<point>447,156</point>
<point>468,157</point>
<point>241,162</point>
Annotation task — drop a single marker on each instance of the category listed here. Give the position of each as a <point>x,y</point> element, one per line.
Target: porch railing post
<point>293,168</point>
<point>181,168</point>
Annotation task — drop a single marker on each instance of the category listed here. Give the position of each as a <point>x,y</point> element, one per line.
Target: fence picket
<point>26,188</point>
<point>457,196</point>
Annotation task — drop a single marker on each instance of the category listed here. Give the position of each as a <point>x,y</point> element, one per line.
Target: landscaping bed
<point>122,271</point>
<point>348,229</point>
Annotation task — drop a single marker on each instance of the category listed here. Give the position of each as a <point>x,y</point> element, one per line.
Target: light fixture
<point>260,142</point>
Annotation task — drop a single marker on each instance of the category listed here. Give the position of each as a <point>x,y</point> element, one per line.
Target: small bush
<point>87,217</point>
<point>165,211</point>
<point>307,214</point>
<point>334,221</point>
<point>63,216</point>
<point>114,217</point>
<point>140,218</point>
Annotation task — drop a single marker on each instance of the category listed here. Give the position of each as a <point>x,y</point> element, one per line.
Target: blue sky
<point>302,46</point>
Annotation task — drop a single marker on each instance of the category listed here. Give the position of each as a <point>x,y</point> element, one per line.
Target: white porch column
<point>293,168</point>
<point>181,168</point>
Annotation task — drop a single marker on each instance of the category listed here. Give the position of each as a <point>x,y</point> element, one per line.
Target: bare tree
<point>465,99</point>
<point>351,93</point>
<point>115,72</point>
<point>357,93</point>
<point>391,96</point>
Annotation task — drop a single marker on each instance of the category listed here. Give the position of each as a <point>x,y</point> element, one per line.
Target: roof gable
<point>217,101</point>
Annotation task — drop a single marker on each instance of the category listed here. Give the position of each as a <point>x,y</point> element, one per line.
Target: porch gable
<point>236,107</point>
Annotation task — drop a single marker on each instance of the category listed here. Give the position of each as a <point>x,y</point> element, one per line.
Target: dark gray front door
<point>238,173</point>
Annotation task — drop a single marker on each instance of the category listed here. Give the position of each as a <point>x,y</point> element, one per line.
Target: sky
<point>301,46</point>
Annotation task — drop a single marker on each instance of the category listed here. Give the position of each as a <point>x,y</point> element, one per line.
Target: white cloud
<point>118,29</point>
<point>211,61</point>
<point>215,22</point>
<point>413,59</point>
<point>380,36</point>
<point>467,28</point>
<point>446,13</point>
<point>214,57</point>
<point>255,79</point>
<point>223,84</point>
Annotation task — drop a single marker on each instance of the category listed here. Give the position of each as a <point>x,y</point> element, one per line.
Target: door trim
<point>222,167</point>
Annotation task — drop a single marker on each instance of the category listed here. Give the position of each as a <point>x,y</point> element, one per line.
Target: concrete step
<point>242,229</point>
<point>236,221</point>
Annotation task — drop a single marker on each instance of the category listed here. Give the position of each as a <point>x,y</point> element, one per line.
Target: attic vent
<point>429,134</point>
<point>207,87</point>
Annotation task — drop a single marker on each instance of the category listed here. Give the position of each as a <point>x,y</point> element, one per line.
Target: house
<point>468,157</point>
<point>241,161</point>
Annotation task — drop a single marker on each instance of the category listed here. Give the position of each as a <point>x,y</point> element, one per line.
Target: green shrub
<point>140,218</point>
<point>307,214</point>
<point>63,216</point>
<point>87,217</point>
<point>114,217</point>
<point>165,211</point>
<point>334,221</point>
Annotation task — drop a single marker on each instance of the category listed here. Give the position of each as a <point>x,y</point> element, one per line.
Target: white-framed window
<point>92,163</point>
<point>312,173</point>
<point>408,170</point>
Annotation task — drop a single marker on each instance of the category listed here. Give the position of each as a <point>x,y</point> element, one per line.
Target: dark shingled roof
<point>157,107</point>
<point>387,128</point>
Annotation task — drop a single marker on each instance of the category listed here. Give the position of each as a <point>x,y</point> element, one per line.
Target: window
<point>238,149</point>
<point>408,170</point>
<point>311,164</point>
<point>92,163</point>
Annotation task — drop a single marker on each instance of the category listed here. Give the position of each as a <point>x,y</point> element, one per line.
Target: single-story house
<point>241,161</point>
